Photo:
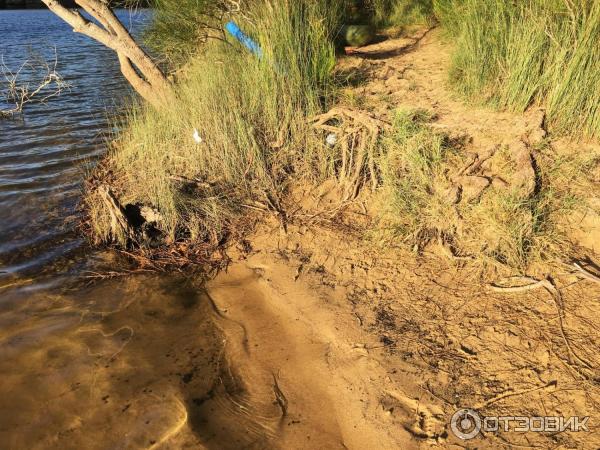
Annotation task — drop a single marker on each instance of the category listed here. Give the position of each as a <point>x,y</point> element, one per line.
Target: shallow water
<point>116,365</point>
<point>132,362</point>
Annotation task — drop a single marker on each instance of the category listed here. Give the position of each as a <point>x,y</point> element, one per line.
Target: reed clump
<point>238,130</point>
<point>536,52</point>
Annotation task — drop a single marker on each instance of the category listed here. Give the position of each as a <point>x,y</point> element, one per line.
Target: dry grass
<point>504,225</point>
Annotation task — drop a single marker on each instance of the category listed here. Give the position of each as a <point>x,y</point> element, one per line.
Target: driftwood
<point>19,93</point>
<point>121,228</point>
<point>357,134</point>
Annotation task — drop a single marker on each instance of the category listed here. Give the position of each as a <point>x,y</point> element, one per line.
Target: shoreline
<point>407,335</point>
<point>347,278</point>
<point>396,346</point>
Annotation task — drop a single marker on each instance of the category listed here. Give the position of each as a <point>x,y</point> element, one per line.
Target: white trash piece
<point>331,139</point>
<point>197,137</point>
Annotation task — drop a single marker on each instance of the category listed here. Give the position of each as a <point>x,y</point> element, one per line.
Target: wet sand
<point>155,362</point>
<point>303,343</point>
<point>252,360</point>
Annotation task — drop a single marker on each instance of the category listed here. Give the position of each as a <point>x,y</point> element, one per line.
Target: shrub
<point>180,26</point>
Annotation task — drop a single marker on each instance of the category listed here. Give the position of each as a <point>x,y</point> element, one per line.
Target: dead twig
<point>557,297</point>
<point>507,394</point>
<point>45,83</point>
<point>586,273</point>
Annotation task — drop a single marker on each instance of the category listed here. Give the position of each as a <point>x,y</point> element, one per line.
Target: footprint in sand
<point>421,420</point>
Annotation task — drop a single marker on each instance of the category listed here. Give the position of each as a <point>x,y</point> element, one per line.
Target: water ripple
<point>42,152</point>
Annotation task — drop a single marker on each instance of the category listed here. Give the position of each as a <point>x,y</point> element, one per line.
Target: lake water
<point>119,363</point>
<point>43,151</point>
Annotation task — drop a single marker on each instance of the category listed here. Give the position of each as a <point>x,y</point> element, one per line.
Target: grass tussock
<point>501,226</point>
<point>250,114</point>
<point>415,185</point>
<point>515,54</point>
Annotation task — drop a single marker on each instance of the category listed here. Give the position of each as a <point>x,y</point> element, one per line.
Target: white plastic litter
<point>197,137</point>
<point>331,139</point>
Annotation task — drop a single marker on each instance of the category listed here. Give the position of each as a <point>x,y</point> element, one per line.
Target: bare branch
<point>80,24</point>
<point>37,90</point>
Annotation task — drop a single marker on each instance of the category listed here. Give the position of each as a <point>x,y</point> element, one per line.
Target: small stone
<point>331,139</point>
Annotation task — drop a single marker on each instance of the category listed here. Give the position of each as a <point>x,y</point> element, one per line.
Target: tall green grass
<point>515,54</point>
<point>251,114</point>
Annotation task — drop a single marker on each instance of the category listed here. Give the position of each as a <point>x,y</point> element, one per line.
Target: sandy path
<point>373,348</point>
<point>301,335</point>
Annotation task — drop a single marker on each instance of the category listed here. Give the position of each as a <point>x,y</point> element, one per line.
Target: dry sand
<point>377,348</point>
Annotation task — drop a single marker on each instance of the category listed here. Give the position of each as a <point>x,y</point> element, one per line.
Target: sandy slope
<point>377,348</point>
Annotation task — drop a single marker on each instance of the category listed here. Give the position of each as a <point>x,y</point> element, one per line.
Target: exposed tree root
<point>357,134</point>
<point>532,284</point>
<point>557,297</point>
<point>120,225</point>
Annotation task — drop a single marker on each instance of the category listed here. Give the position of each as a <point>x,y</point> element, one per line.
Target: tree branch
<point>148,80</point>
<point>139,84</point>
<point>49,84</point>
<point>80,24</point>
